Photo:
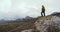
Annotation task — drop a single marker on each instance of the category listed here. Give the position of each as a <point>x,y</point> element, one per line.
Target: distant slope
<point>56,14</point>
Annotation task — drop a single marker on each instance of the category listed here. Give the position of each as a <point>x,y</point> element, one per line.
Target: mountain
<point>56,14</point>
<point>50,23</point>
<point>27,18</point>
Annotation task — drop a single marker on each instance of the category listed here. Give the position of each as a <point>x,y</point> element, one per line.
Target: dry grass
<point>16,27</point>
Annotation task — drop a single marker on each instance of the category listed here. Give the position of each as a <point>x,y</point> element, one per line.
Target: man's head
<point>42,6</point>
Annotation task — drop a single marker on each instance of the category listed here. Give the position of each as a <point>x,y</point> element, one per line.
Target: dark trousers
<point>42,13</point>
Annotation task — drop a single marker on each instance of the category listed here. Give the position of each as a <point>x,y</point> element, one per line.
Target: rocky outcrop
<point>48,24</point>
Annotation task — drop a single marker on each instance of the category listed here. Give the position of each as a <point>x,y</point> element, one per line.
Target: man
<point>43,11</point>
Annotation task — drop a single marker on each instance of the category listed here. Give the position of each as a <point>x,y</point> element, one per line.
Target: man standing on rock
<point>43,11</point>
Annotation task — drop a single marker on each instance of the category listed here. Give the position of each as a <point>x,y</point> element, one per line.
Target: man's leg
<point>44,13</point>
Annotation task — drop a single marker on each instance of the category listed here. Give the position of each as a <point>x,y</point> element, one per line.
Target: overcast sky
<point>11,9</point>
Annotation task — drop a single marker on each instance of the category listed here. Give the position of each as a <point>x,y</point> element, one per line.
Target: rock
<point>51,24</point>
<point>29,30</point>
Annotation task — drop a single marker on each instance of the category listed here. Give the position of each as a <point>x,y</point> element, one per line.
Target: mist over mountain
<point>27,18</point>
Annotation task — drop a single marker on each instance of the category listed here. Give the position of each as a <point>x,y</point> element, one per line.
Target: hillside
<point>17,25</point>
<point>50,23</point>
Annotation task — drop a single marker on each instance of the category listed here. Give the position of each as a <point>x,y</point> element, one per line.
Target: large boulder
<point>48,24</point>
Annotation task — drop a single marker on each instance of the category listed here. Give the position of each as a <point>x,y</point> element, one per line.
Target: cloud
<point>11,9</point>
